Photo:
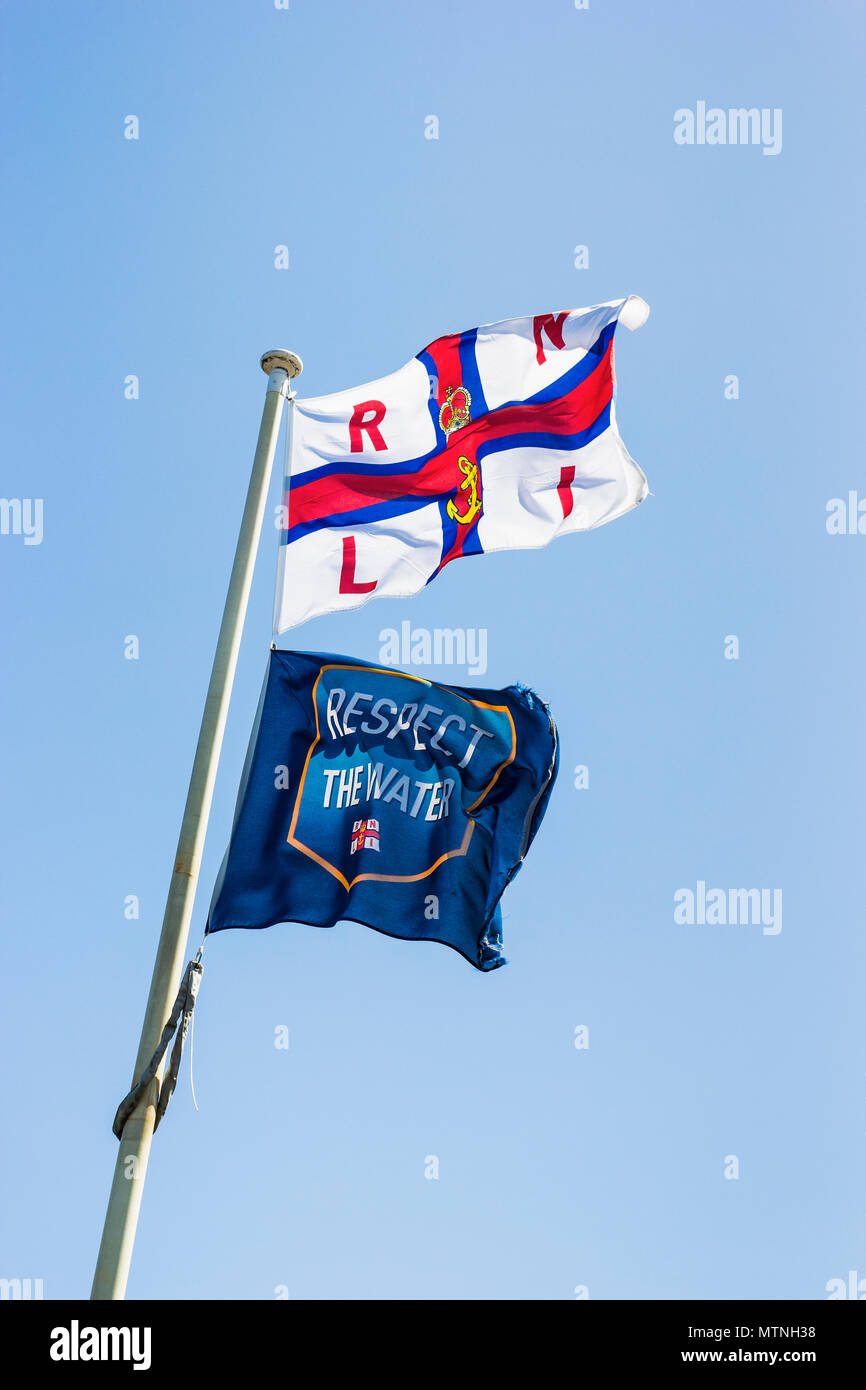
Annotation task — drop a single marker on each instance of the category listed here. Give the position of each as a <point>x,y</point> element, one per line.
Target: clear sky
<point>559,1167</point>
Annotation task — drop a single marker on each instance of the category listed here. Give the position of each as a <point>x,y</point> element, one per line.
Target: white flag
<point>499,438</point>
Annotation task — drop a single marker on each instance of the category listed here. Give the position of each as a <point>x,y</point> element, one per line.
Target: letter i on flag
<point>499,438</point>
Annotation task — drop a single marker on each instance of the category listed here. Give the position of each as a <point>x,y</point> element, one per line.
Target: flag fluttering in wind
<point>382,798</point>
<point>499,438</point>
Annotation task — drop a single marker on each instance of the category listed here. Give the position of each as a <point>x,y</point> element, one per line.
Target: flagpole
<point>124,1203</point>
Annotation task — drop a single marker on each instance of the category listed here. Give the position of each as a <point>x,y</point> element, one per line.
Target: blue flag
<point>381,798</point>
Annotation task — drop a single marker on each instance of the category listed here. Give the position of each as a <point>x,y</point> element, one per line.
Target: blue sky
<point>558,1167</point>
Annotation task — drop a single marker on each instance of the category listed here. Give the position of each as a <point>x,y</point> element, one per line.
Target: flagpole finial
<point>279,357</point>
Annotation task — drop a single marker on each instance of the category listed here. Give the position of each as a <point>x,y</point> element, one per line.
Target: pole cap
<point>279,357</point>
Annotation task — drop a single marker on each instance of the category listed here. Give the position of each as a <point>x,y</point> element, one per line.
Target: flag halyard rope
<point>177,1027</point>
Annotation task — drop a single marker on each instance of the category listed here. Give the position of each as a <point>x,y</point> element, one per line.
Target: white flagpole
<point>118,1236</point>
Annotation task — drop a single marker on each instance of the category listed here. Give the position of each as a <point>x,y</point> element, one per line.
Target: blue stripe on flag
<point>471,377</point>
<point>432,405</point>
<point>449,535</point>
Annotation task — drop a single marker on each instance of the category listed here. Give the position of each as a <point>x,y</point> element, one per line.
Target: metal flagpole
<point>121,1219</point>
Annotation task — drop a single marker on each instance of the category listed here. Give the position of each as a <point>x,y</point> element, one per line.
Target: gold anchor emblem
<point>469,484</point>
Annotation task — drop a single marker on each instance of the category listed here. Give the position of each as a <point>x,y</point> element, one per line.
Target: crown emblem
<point>454,412</point>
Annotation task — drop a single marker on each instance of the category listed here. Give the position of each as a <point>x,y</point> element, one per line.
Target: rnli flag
<point>502,437</point>
<point>381,798</point>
